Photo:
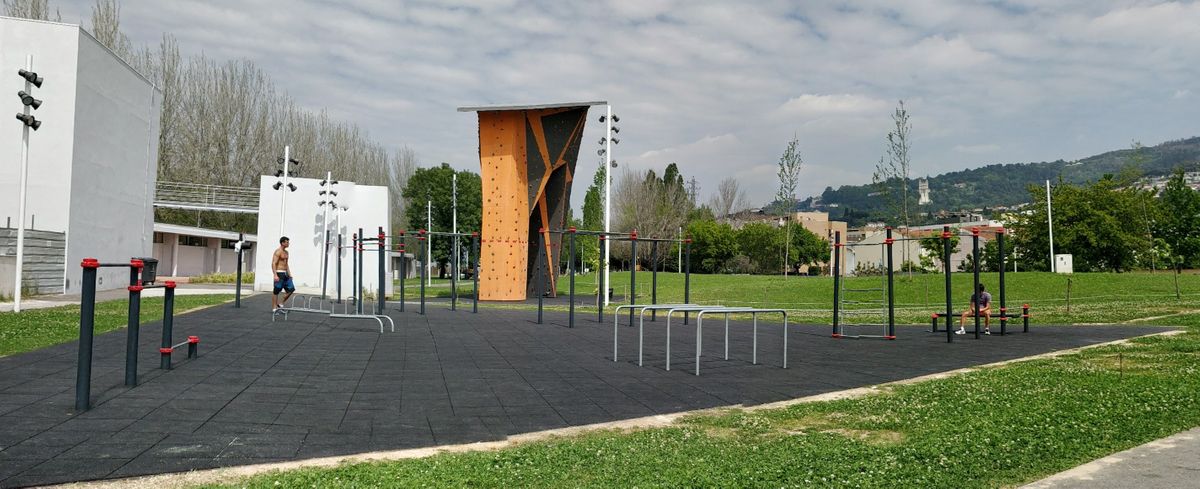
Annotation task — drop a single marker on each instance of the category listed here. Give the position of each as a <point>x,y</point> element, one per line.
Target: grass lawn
<point>991,427</point>
<point>39,328</point>
<point>1094,297</point>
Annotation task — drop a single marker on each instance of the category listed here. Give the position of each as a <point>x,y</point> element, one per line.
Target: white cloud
<point>977,148</point>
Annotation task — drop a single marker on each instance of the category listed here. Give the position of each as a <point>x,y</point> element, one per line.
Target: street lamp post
<point>607,141</point>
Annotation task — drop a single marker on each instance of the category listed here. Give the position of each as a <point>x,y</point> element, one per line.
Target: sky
<point>721,87</point>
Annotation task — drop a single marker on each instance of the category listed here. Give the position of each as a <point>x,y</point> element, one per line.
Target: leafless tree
<point>226,122</point>
<point>729,198</point>
<point>31,9</point>
<point>654,208</point>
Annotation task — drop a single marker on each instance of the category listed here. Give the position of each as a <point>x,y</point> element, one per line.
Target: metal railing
<point>178,195</point>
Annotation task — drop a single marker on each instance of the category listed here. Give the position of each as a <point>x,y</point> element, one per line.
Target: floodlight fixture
<point>277,185</point>
<point>602,140</point>
<point>613,163</point>
<point>616,129</point>
<point>321,203</point>
<point>29,121</point>
<point>616,119</point>
<point>600,152</point>
<point>616,141</point>
<point>31,77</point>
<point>278,173</point>
<point>291,186</point>
<point>28,99</point>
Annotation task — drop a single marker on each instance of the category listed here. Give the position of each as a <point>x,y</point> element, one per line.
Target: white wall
<point>55,50</point>
<point>116,162</point>
<point>303,225</point>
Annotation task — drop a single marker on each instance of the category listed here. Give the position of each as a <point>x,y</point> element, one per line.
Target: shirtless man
<point>283,275</point>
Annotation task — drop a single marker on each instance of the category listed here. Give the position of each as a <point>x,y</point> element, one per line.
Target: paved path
<point>311,386</point>
<point>42,302</point>
<point>1171,462</point>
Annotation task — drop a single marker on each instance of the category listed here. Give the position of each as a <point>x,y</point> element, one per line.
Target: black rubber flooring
<point>312,387</point>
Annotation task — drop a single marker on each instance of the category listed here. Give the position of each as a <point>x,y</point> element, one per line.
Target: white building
<point>186,251</point>
<point>304,222</point>
<point>92,164</point>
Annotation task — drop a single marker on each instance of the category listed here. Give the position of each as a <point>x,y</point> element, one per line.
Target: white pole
<point>283,190</point>
<point>680,250</point>
<point>325,230</point>
<point>454,217</point>
<point>607,184</point>
<point>1050,223</point>
<point>428,239</point>
<point>21,205</point>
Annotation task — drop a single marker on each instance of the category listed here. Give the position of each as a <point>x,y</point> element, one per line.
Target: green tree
<point>1103,226</point>
<point>934,248</point>
<point>1178,223</point>
<point>806,247</point>
<point>435,184</point>
<point>713,245</point>
<point>760,241</point>
<point>593,220</point>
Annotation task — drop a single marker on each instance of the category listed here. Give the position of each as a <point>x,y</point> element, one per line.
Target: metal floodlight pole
<point>283,190</point>
<point>1050,224</point>
<point>607,191</point>
<point>19,270</point>
<point>325,235</point>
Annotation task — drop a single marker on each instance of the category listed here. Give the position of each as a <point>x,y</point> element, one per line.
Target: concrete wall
<point>8,265</point>
<point>303,225</point>
<point>116,162</point>
<point>92,165</point>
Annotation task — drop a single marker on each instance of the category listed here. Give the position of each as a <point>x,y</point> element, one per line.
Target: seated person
<point>981,304</point>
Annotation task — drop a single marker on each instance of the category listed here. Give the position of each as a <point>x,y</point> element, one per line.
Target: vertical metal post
<point>475,272</point>
<point>1003,305</point>
<point>571,266</point>
<point>381,300</point>
<point>135,316</point>
<point>87,323</point>
<point>687,278</point>
<point>541,277</point>
<point>237,293</point>
<point>354,270</point>
<point>424,266</point>
<point>325,264</point>
<point>975,267</point>
<point>168,323</point>
<point>358,286</point>
<point>602,293</point>
<point>403,270</point>
<point>632,273</point>
<point>339,267</point>
<point>1025,317</point>
<point>654,279</point>
<point>837,279</point>
<point>454,248</point>
<point>946,269</point>
<point>891,299</point>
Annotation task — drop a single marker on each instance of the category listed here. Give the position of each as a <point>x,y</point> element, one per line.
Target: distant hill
<point>1006,184</point>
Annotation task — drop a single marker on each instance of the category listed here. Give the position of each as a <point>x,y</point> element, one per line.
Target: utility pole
<point>1050,223</point>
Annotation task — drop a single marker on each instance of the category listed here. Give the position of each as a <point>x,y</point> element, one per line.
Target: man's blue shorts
<point>283,281</point>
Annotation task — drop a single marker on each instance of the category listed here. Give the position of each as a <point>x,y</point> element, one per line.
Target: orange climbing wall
<point>527,160</point>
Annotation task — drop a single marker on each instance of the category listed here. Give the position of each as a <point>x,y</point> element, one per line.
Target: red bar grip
<point>135,288</point>
<point>193,339</point>
<point>166,351</point>
<point>90,263</point>
<point>136,264</point>
<point>169,284</point>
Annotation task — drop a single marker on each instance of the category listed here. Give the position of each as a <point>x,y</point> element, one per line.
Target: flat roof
<point>200,232</point>
<point>489,108</point>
